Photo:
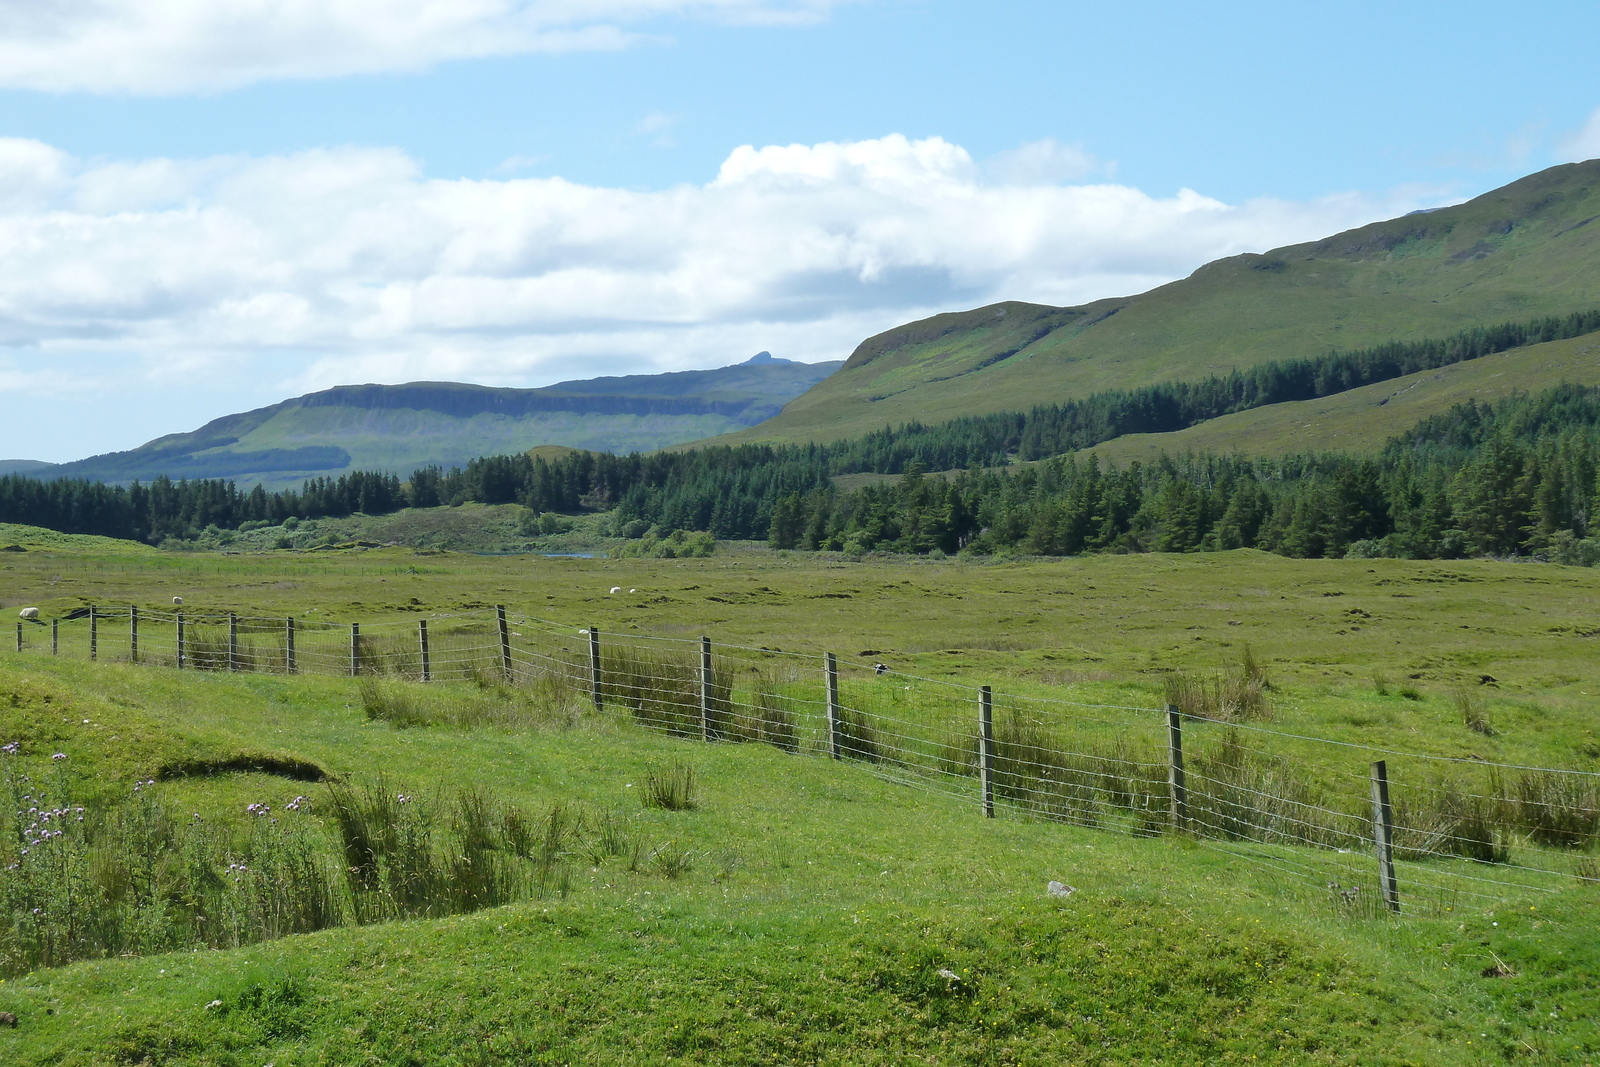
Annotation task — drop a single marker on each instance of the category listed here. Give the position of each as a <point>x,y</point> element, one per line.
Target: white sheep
<point>616,589</point>
<point>29,614</point>
<point>178,600</point>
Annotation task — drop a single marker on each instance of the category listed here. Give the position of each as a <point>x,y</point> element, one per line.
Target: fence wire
<point>1464,832</point>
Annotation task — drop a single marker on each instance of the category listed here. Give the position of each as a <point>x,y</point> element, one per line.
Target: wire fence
<point>1365,830</point>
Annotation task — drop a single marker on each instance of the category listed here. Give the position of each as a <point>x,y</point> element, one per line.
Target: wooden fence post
<point>289,663</point>
<point>594,668</point>
<point>834,727</point>
<point>705,689</point>
<point>94,634</point>
<point>505,642</point>
<point>133,633</point>
<point>355,649</point>
<point>1383,834</point>
<point>55,637</point>
<point>179,620</point>
<point>1176,782</point>
<point>233,641</point>
<point>427,663</point>
<point>19,636</point>
<point>986,748</point>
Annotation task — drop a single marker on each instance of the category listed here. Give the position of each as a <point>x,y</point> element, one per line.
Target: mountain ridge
<point>1529,248</point>
<point>398,428</point>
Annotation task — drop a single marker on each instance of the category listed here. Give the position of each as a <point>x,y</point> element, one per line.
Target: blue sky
<point>209,205</point>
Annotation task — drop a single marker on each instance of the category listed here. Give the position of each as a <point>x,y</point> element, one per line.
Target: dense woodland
<point>1517,478</point>
<point>1514,478</point>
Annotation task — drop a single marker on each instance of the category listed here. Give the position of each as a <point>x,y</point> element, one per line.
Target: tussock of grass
<point>1474,715</point>
<point>858,737</point>
<point>1235,692</point>
<point>83,882</point>
<point>670,788</point>
<point>671,861</point>
<point>491,704</point>
<point>661,688</point>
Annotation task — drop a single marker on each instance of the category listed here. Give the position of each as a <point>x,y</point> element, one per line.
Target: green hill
<point>1524,250</point>
<point>1363,419</point>
<point>401,427</point>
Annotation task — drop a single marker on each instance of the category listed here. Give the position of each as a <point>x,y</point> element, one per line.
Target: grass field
<point>806,910</point>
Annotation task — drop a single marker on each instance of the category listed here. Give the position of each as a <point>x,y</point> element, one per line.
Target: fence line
<point>1404,842</point>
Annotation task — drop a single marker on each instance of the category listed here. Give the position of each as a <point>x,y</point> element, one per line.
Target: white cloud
<point>297,272</point>
<point>1583,143</point>
<point>1046,162</point>
<point>175,46</point>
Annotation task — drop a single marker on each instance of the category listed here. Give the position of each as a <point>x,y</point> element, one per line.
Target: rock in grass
<point>7,1019</point>
<point>1060,889</point>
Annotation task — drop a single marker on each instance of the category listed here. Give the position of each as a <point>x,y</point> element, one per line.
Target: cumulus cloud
<point>350,265</point>
<point>1583,143</point>
<point>1046,162</point>
<point>174,46</point>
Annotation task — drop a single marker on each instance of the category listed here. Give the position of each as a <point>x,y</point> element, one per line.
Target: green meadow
<point>792,908</point>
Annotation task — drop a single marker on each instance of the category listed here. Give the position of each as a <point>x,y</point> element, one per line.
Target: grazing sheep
<point>178,600</point>
<point>29,614</point>
<point>633,590</point>
<point>616,589</point>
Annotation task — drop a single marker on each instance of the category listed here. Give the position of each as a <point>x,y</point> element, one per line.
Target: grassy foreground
<point>827,916</point>
<point>814,911</point>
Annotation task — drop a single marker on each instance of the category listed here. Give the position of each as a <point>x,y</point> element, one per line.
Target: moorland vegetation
<point>600,885</point>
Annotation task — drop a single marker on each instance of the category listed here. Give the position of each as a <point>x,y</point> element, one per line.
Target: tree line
<point>1513,478</point>
<point>1414,501</point>
<point>182,509</point>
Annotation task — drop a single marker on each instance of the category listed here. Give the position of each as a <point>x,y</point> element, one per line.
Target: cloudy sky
<point>211,205</point>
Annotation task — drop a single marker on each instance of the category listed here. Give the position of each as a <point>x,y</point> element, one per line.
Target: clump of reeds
<point>406,704</point>
<point>393,704</point>
<point>957,753</point>
<point>1236,792</point>
<point>1551,807</point>
<point>858,737</point>
<point>1234,692</point>
<point>410,856</point>
<point>670,788</point>
<point>608,836</point>
<point>134,879</point>
<point>661,689</point>
<point>1448,820</point>
<point>671,861</point>
<point>1474,715</point>
<point>1032,770</point>
<point>769,717</point>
